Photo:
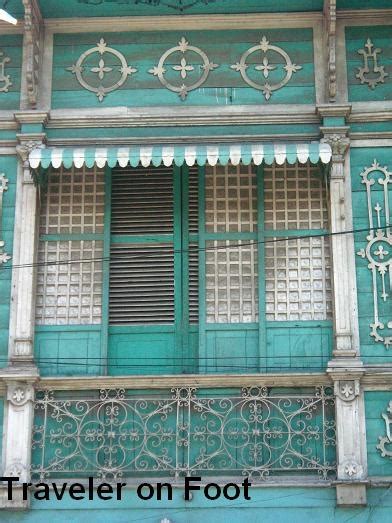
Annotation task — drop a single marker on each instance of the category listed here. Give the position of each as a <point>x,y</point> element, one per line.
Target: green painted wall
<point>356,38</point>
<point>8,166</point>
<point>142,51</point>
<point>371,351</point>
<point>205,132</point>
<point>268,505</point>
<point>11,47</point>
<point>74,8</point>
<point>376,404</point>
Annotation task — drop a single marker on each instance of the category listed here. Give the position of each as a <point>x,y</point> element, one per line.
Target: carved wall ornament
<point>5,80</point>
<point>386,441</point>
<point>352,468</point>
<point>265,66</point>
<point>16,469</point>
<point>370,56</point>
<point>102,69</point>
<point>4,257</point>
<point>19,394</point>
<point>378,250</point>
<point>330,18</point>
<point>185,66</point>
<point>347,390</point>
<point>33,26</point>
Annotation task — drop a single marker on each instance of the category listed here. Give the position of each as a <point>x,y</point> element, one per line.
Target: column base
<point>351,494</point>
<point>16,503</point>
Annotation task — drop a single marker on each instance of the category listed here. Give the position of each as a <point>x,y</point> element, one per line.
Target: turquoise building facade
<point>196,257</point>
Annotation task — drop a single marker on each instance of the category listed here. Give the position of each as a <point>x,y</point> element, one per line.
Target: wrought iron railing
<point>114,434</point>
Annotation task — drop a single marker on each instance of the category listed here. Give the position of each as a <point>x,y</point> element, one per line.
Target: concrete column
<point>351,441</point>
<point>341,267</point>
<point>18,423</point>
<point>23,282</point>
<point>345,368</point>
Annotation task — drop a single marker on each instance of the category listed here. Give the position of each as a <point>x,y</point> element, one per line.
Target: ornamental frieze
<point>185,67</point>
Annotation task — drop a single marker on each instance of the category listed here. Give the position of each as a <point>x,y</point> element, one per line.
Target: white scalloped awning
<point>179,154</point>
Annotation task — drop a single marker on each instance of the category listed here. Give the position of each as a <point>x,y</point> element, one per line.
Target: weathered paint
<point>356,38</point>
<point>68,352</point>
<point>11,47</point>
<point>376,404</point>
<point>1,423</point>
<point>75,8</point>
<point>206,131</point>
<point>371,352</point>
<point>224,86</point>
<point>8,166</point>
<point>269,505</point>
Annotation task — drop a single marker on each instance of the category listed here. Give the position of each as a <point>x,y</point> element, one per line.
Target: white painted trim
<point>186,22</point>
<point>190,380</point>
<point>7,151</point>
<point>372,139</point>
<point>45,89</point>
<point>186,116</point>
<point>365,16</point>
<point>9,29</point>
<point>320,62</point>
<point>152,140</point>
<point>352,283</point>
<point>341,64</point>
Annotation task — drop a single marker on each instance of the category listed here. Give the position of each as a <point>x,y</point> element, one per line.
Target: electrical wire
<point>187,251</point>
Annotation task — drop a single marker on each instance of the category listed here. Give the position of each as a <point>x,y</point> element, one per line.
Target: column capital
<point>339,141</point>
<point>28,142</point>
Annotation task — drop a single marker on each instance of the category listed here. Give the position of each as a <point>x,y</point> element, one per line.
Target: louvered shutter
<point>193,268</point>
<point>141,266</point>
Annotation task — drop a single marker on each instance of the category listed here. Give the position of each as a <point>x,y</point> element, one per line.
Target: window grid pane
<point>294,198</point>
<point>73,202</point>
<point>231,282</point>
<point>231,198</point>
<point>298,280</point>
<point>69,293</point>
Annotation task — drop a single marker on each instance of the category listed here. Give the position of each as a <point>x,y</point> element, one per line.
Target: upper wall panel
<point>183,68</point>
<point>93,8</point>
<point>369,63</point>
<point>10,71</point>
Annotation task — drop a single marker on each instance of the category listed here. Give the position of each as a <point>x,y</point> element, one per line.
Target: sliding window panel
<point>70,272</point>
<point>297,268</point>
<point>229,334</point>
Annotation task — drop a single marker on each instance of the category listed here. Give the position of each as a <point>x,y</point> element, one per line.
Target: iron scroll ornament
<point>183,432</point>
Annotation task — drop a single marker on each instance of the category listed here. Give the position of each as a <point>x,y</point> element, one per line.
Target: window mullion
<point>106,271</point>
<point>261,270</point>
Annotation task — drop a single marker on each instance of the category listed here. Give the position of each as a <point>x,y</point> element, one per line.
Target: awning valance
<point>179,154</point>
